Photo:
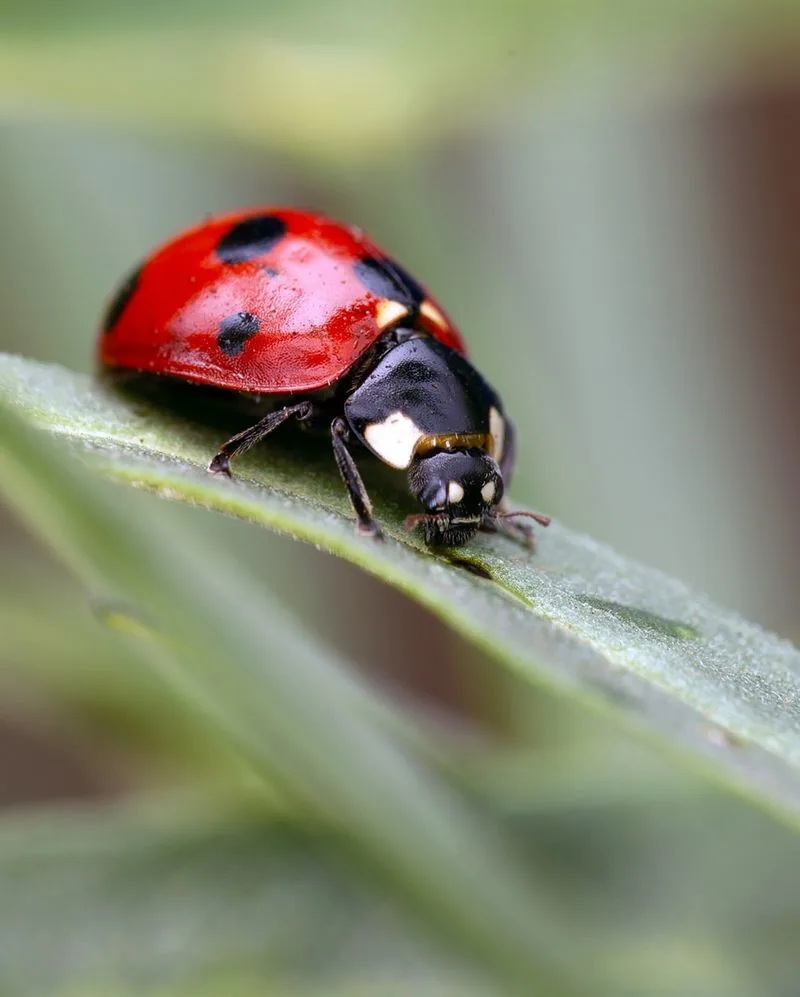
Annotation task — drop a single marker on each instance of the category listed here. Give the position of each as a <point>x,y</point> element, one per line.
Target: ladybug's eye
<point>434,497</point>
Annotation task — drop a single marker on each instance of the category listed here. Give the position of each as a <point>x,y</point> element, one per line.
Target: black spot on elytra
<point>235,331</point>
<point>250,238</point>
<point>387,279</point>
<point>120,300</point>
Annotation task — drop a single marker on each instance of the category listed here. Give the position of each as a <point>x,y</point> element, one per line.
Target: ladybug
<point>323,327</point>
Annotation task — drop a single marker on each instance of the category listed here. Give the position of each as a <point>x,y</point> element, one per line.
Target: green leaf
<point>261,682</point>
<point>174,899</point>
<point>574,616</point>
<point>158,898</point>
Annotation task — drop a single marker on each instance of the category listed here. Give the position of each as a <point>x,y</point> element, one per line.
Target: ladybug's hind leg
<point>242,442</point>
<point>352,479</point>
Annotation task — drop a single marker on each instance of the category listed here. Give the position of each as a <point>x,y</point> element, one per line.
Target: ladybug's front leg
<point>352,479</point>
<point>519,532</point>
<point>499,521</point>
<point>242,442</point>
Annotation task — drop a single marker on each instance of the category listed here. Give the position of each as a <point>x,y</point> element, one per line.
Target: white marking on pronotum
<point>389,312</point>
<point>487,492</point>
<point>432,313</point>
<point>497,429</point>
<point>394,439</point>
<point>454,492</point>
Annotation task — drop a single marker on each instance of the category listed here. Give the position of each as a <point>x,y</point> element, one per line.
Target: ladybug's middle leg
<point>352,479</point>
<point>238,444</point>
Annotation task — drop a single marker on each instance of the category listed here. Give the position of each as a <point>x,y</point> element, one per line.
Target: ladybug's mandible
<point>312,317</point>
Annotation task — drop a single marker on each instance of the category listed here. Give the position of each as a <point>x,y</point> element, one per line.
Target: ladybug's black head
<point>457,489</point>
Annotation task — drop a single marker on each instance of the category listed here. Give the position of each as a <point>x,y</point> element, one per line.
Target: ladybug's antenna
<point>540,519</point>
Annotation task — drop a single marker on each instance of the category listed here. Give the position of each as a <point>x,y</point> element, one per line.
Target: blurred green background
<point>605,196</point>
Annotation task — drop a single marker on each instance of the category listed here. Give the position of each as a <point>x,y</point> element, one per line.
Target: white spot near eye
<point>497,429</point>
<point>454,492</point>
<point>432,314</point>
<point>388,312</point>
<point>487,492</point>
<point>394,439</point>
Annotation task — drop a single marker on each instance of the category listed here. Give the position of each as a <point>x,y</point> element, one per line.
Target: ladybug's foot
<point>239,444</point>
<point>359,498</point>
<point>519,532</point>
<point>369,529</point>
<point>220,465</point>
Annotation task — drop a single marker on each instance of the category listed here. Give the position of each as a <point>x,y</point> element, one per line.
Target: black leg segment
<point>242,442</point>
<point>352,479</point>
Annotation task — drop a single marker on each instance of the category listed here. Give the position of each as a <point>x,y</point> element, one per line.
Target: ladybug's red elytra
<point>312,317</point>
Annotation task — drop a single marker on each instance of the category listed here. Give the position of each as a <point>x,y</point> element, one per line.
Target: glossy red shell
<point>314,315</point>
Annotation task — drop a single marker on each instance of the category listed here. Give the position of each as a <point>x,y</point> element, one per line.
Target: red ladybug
<point>309,313</point>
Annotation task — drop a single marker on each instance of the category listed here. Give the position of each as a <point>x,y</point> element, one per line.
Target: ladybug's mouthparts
<point>431,517</point>
<point>428,517</point>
